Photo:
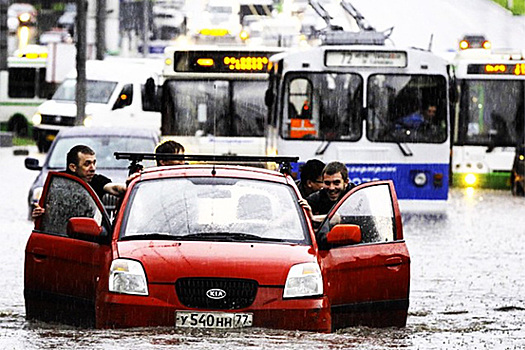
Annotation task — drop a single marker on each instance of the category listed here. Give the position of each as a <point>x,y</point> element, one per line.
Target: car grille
<point>239,293</point>
<point>57,120</point>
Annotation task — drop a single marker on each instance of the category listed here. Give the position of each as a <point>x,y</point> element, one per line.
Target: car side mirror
<point>344,234</point>
<point>32,164</point>
<point>84,228</point>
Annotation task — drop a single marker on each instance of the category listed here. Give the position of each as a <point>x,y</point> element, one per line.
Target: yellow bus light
<point>470,179</point>
<point>32,55</point>
<point>214,32</point>
<point>486,45</point>
<point>168,62</point>
<point>244,35</point>
<point>463,45</point>
<point>205,62</point>
<point>24,17</point>
<point>124,97</point>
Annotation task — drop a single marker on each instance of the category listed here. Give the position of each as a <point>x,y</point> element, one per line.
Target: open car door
<point>365,261</point>
<point>64,256</point>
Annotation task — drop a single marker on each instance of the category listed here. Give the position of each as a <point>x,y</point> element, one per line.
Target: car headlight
<point>37,118</point>
<point>303,280</point>
<point>127,277</point>
<point>88,121</point>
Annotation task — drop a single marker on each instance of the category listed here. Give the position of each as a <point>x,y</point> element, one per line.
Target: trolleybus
<point>213,98</point>
<point>354,99</point>
<point>488,117</point>
<point>23,87</point>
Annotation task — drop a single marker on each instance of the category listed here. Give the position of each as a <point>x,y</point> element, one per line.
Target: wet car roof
<point>205,170</point>
<point>97,131</point>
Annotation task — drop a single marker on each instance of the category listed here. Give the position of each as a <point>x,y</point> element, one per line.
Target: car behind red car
<point>216,246</point>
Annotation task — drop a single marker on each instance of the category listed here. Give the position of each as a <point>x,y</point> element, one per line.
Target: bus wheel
<point>18,124</point>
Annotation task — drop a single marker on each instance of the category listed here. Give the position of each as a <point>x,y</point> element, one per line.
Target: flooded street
<point>467,285</point>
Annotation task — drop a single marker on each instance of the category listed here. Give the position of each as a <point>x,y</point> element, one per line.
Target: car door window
<point>370,208</point>
<point>67,198</point>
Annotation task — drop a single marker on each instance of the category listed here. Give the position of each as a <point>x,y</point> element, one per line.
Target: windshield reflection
<point>215,207</point>
<point>214,107</point>
<point>96,91</point>
<point>491,113</point>
<point>407,108</point>
<point>104,146</point>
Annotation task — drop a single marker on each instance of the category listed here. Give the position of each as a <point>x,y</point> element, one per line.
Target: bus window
<point>397,107</point>
<point>299,110</point>
<point>45,89</point>
<point>489,110</point>
<point>249,108</point>
<point>198,108</point>
<point>220,108</point>
<point>22,82</point>
<point>324,107</point>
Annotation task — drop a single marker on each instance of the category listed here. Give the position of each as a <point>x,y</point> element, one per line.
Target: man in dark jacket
<point>81,162</point>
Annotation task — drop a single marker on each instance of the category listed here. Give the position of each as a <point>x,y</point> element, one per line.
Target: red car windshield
<point>218,209</point>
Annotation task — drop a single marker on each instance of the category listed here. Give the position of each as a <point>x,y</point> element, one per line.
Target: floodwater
<point>467,286</point>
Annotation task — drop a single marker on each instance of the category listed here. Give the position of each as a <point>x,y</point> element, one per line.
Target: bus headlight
<point>471,179</point>
<point>244,35</point>
<point>37,118</point>
<point>24,17</point>
<point>420,179</point>
<point>303,280</point>
<point>127,277</point>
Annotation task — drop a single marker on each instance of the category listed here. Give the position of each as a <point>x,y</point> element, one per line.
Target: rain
<point>467,287</point>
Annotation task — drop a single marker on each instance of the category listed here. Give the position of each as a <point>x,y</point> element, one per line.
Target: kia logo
<point>215,293</point>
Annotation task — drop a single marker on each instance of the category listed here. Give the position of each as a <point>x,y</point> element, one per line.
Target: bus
<point>212,98</point>
<point>344,100</point>
<point>488,118</point>
<point>23,87</point>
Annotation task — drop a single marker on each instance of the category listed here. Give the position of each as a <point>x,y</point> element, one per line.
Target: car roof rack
<point>137,157</point>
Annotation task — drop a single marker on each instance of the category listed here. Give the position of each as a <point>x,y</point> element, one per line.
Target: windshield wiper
<point>229,236</point>
<point>151,236</point>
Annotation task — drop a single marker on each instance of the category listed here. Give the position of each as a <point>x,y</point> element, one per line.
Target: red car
<point>216,246</point>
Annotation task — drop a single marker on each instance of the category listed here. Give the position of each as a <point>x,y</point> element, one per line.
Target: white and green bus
<point>488,122</point>
<point>23,88</point>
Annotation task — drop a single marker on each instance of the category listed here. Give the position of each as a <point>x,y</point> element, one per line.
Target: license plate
<point>213,319</point>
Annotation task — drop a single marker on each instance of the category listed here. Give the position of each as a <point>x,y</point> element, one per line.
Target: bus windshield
<point>96,91</point>
<point>491,112</point>
<point>214,107</point>
<point>407,108</point>
<point>323,106</point>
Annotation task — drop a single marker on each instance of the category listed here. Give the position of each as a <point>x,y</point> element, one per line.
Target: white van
<point>119,92</point>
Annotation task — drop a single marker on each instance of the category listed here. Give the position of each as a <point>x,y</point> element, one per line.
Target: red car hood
<point>165,262</point>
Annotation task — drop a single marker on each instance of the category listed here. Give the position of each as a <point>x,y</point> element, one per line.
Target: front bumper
<point>158,309</point>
